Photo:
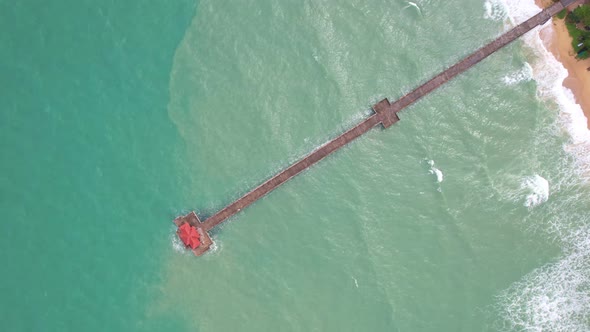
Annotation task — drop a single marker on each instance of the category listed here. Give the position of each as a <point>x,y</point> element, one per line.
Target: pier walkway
<point>385,114</point>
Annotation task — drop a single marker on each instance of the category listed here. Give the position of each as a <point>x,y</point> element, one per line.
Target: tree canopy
<point>582,13</point>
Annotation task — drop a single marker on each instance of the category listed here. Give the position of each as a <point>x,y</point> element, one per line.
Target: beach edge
<point>557,40</point>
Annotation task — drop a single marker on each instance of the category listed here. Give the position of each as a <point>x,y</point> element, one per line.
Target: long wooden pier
<point>385,114</point>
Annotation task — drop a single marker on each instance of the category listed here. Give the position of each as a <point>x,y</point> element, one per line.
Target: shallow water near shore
<point>468,215</point>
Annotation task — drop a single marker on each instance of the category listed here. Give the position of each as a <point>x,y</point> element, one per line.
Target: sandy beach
<point>558,41</point>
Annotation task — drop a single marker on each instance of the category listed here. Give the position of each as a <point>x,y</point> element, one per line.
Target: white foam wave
<point>413,5</point>
<point>537,189</point>
<point>215,247</point>
<point>494,10</point>
<point>549,73</point>
<point>439,174</point>
<point>177,245</point>
<point>555,297</point>
<point>180,248</point>
<point>518,11</point>
<point>433,170</point>
<point>523,75</point>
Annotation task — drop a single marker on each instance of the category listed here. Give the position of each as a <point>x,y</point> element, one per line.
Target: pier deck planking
<point>386,114</point>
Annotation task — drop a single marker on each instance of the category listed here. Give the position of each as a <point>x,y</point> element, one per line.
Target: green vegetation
<point>561,14</point>
<point>582,13</point>
<point>578,25</point>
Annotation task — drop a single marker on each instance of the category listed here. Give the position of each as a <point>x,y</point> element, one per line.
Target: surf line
<point>196,236</point>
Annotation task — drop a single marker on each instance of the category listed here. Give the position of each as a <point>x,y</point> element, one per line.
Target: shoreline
<point>557,40</point>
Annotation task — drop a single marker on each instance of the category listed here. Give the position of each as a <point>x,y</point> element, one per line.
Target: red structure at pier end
<point>385,113</point>
<point>192,234</point>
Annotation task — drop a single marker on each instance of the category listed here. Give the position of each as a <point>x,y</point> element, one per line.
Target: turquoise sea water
<point>471,214</point>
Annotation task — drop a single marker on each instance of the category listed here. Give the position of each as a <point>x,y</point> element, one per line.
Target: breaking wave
<point>177,245</point>
<point>550,73</point>
<point>556,296</point>
<point>537,189</point>
<point>436,171</point>
<point>523,75</point>
<point>495,10</point>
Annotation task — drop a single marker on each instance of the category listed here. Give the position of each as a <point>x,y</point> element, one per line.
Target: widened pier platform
<point>385,114</point>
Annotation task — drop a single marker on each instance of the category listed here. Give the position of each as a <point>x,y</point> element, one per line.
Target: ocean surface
<point>471,214</point>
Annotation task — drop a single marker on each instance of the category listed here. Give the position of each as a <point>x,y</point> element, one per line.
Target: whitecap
<point>494,10</point>
<point>413,5</point>
<point>433,170</point>
<point>550,73</point>
<point>537,190</point>
<point>177,245</point>
<point>555,297</point>
<point>523,75</point>
<point>439,174</point>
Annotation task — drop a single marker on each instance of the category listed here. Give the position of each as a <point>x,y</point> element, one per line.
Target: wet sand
<point>559,42</point>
